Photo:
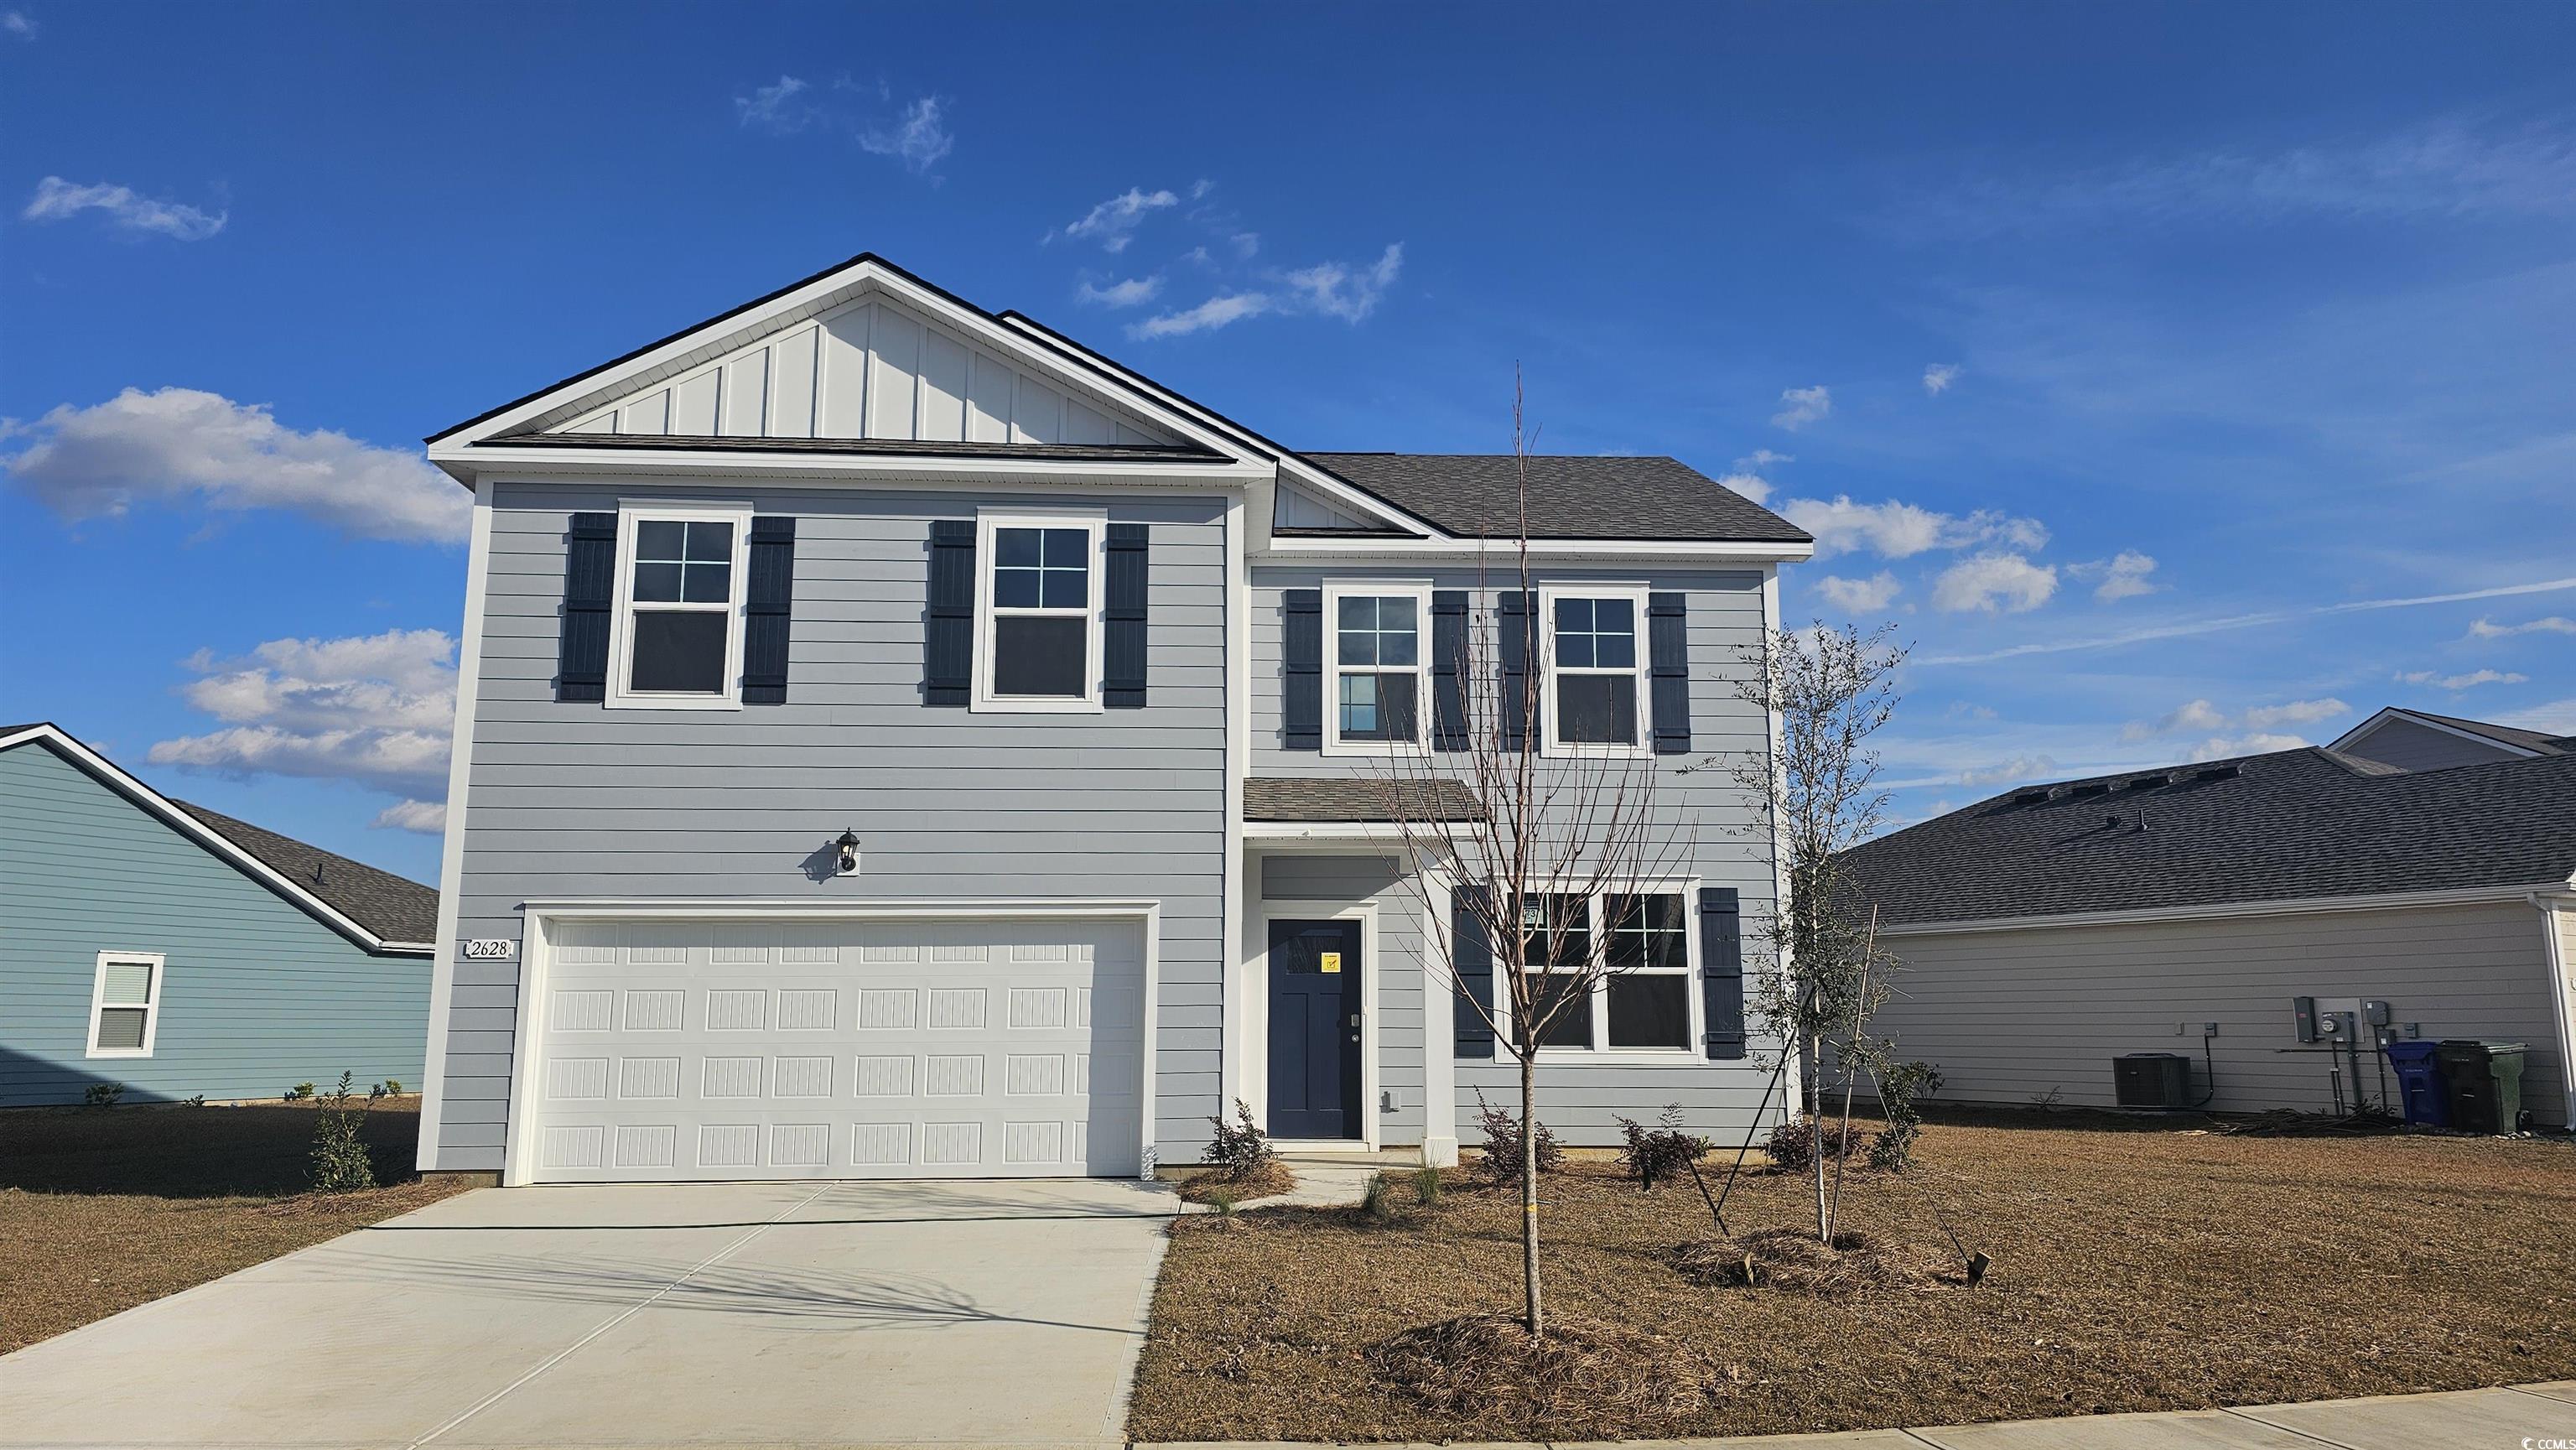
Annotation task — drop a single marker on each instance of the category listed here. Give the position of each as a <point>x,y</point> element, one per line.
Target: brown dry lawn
<point>2135,1269</point>
<point>104,1209</point>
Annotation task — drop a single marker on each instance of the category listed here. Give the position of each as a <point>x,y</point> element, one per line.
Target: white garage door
<point>673,1050</point>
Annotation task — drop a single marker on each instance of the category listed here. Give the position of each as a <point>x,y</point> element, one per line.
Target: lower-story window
<point>125,1004</point>
<point>1643,1002</point>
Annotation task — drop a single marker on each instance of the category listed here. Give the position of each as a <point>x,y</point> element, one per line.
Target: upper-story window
<point>678,626</point>
<point>1037,626</point>
<point>1595,686</point>
<point>1379,666</point>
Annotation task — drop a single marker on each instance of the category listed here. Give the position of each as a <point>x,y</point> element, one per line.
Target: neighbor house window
<point>1039,610</point>
<point>678,628</point>
<point>125,1004</point>
<point>1644,1002</point>
<point>1595,682</point>
<point>1380,666</point>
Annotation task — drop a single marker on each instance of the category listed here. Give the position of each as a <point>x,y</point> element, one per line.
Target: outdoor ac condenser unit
<point>2151,1080</point>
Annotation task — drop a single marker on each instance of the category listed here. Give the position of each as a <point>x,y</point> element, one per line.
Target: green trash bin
<point>2504,1060</point>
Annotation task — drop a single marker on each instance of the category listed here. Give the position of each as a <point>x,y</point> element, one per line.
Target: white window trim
<point>621,626</point>
<point>1643,746</point>
<point>1694,996</point>
<point>151,1007</point>
<point>1419,591</point>
<point>1094,522</point>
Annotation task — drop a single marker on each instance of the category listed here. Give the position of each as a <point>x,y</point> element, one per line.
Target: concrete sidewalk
<point>2527,1417</point>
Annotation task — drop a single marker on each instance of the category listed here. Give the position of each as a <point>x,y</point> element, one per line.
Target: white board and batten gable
<point>1297,508</point>
<point>868,370</point>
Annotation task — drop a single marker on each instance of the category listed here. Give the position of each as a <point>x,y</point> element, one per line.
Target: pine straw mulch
<point>1272,1177</point>
<point>1791,1261</point>
<point>2135,1269</point>
<point>104,1209</point>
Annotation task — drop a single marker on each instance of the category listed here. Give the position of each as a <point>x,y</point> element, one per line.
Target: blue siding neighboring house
<point>179,952</point>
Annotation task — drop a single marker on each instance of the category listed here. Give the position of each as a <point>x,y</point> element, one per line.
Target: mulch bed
<point>1208,1187</point>
<point>2135,1269</point>
<point>104,1209</point>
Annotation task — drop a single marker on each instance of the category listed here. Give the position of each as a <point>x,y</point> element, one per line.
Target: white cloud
<point>2195,716</point>
<point>1938,377</point>
<point>1897,530</point>
<point>59,200</point>
<point>1996,583</point>
<point>2018,768</point>
<point>1213,313</point>
<point>782,107</point>
<point>1349,293</point>
<point>428,818</point>
<point>1764,458</point>
<point>2122,576</point>
<point>1245,245</point>
<point>1134,292</point>
<point>2221,748</point>
<point>2547,624</point>
<point>373,709</point>
<point>917,137</point>
<point>1802,406</point>
<point>1113,223</point>
<point>181,443</point>
<point>2471,680</point>
<point>1752,485</point>
<point>1859,596</point>
<point>2557,717</point>
<point>20,24</point>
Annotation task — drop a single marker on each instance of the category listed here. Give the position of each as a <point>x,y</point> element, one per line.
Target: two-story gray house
<point>897,741</point>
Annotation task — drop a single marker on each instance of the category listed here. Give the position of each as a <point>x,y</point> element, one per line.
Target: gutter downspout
<point>2562,992</point>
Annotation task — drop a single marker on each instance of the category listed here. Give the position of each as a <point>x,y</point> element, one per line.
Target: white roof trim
<point>2230,910</point>
<point>1309,546</point>
<point>782,466</point>
<point>820,294</point>
<point>2364,730</point>
<point>204,835</point>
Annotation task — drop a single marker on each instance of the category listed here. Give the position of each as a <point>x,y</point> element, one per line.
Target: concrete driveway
<point>771,1314</point>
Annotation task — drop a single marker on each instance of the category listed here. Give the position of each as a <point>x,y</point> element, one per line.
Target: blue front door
<point>1315,1029</point>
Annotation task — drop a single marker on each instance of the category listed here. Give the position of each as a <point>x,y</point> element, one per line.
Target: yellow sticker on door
<point>1330,961</point>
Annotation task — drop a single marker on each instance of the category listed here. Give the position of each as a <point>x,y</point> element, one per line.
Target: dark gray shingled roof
<point>1295,798</point>
<point>2284,826</point>
<point>1477,495</point>
<point>395,908</point>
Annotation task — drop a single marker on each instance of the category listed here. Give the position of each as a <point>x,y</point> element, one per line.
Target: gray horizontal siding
<point>2014,1016</point>
<point>582,801</point>
<point>1710,819</point>
<point>256,995</point>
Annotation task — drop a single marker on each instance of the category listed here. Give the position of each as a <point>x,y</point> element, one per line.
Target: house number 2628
<point>489,948</point>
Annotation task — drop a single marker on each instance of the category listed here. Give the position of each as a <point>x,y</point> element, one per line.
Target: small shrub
<point>1501,1164</point>
<point>1793,1145</point>
<point>1899,1089</point>
<point>1376,1202</point>
<point>1654,1155</point>
<point>389,1088</point>
<point>1426,1186</point>
<point>1222,1202</point>
<point>1239,1149</point>
<point>299,1092</point>
<point>103,1094</point>
<point>198,1101</point>
<point>340,1162</point>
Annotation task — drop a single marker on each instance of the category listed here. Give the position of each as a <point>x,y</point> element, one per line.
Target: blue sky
<point>2132,360</point>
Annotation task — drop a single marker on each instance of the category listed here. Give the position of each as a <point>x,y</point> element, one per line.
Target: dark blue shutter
<point>1301,668</point>
<point>1516,620</point>
<point>590,589</point>
<point>1472,952</point>
<point>948,642</point>
<point>1721,967</point>
<point>1122,640</point>
<point>767,601</point>
<point>1449,669</point>
<point>1668,661</point>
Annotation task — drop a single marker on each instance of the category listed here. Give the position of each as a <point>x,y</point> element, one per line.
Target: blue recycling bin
<point>2419,1077</point>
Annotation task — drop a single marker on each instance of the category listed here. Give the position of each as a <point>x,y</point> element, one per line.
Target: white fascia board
<point>837,470</point>
<point>808,299</point>
<point>2235,910</point>
<point>1438,551</point>
<point>2366,728</point>
<point>1365,832</point>
<point>161,806</point>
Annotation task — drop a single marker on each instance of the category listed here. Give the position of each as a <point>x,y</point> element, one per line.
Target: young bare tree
<point>1830,690</point>
<point>1531,848</point>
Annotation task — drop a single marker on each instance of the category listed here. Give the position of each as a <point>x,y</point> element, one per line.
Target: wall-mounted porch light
<point>849,847</point>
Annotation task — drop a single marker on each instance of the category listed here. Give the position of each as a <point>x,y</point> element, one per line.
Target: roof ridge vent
<point>2219,772</point>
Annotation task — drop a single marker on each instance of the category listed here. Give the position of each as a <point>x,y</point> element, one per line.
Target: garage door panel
<point>676,1050</point>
